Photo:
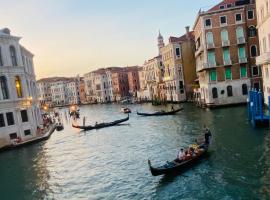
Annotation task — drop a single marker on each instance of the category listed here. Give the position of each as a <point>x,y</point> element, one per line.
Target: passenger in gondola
<point>96,123</point>
<point>172,108</point>
<point>181,155</point>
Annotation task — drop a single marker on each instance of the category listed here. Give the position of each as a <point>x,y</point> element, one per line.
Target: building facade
<point>226,48</point>
<point>19,106</point>
<point>179,67</point>
<point>263,60</point>
<point>133,80</point>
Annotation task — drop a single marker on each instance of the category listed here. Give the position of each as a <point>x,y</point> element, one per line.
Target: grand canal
<point>111,163</point>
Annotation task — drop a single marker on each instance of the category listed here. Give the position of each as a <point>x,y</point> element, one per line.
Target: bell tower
<point>160,42</point>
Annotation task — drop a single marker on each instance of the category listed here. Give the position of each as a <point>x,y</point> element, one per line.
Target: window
<point>214,93</point>
<point>24,116</point>
<point>223,20</point>
<point>226,55</point>
<point>256,86</point>
<point>10,118</point>
<point>213,75</point>
<point>250,14</point>
<point>221,7</point>
<point>177,52</point>
<point>253,51</point>
<point>1,61</point>
<point>255,71</point>
<point>13,136</point>
<point>252,31</point>
<point>208,22</point>
<point>241,52</point>
<point>2,121</point>
<point>13,56</point>
<point>228,73</point>
<point>244,89</point>
<point>27,132</point>
<point>181,87</point>
<point>209,38</point>
<point>243,71</point>
<point>18,86</point>
<point>229,91</point>
<point>238,17</point>
<point>239,32</point>
<point>224,35</point>
<point>4,87</point>
<point>211,57</point>
<point>229,5</point>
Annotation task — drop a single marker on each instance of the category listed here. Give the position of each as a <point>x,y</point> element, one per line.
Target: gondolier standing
<point>207,135</point>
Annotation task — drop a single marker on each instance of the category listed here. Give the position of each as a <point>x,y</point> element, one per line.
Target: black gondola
<point>160,113</point>
<point>177,167</point>
<point>102,125</point>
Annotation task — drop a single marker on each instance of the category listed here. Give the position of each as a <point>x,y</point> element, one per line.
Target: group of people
<point>196,148</point>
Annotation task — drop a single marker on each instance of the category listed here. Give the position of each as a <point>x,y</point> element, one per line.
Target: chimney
<point>187,32</point>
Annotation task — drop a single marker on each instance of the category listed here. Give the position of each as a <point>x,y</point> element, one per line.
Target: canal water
<point>111,163</point>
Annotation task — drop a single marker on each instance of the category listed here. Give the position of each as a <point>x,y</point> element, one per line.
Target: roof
<point>225,2</point>
<point>182,38</point>
<point>55,79</point>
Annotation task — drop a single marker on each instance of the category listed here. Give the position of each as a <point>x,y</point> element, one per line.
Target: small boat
<point>160,113</point>
<point>125,110</point>
<point>177,166</point>
<point>102,125</point>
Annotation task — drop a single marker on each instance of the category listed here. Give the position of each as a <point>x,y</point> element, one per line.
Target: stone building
<point>19,106</point>
<point>263,60</point>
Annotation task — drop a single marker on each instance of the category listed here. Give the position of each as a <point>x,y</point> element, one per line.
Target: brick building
<point>226,47</point>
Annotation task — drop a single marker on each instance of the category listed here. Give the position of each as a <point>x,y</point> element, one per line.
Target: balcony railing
<point>225,43</point>
<point>242,60</point>
<point>241,40</point>
<point>227,62</point>
<point>210,65</point>
<point>210,45</point>
<point>263,59</point>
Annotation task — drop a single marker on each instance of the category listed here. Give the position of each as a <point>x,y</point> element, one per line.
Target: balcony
<point>227,62</point>
<point>242,60</point>
<point>263,59</point>
<point>241,40</point>
<point>210,45</point>
<point>199,50</point>
<point>225,43</point>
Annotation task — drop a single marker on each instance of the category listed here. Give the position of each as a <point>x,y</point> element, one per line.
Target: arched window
<point>214,93</point>
<point>253,51</point>
<point>209,38</point>
<point>1,60</point>
<point>244,89</point>
<point>252,31</point>
<point>18,86</point>
<point>4,87</point>
<point>229,91</point>
<point>13,55</point>
<point>224,35</point>
<point>239,32</point>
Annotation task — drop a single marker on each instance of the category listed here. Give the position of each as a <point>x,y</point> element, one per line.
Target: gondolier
<point>207,135</point>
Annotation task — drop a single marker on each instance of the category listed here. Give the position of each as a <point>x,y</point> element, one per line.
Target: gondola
<point>177,166</point>
<point>160,113</point>
<point>102,125</point>
<point>125,110</point>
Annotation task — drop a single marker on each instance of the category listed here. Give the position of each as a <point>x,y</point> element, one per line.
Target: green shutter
<point>224,35</point>
<point>228,73</point>
<point>243,71</point>
<point>211,57</point>
<point>213,75</point>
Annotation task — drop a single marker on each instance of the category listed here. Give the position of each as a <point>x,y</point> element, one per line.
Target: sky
<point>70,37</point>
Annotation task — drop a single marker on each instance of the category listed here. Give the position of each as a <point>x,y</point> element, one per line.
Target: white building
<point>19,107</point>
<point>263,26</point>
<point>98,86</point>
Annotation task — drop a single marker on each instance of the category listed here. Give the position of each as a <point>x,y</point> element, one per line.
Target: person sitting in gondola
<point>172,108</point>
<point>181,155</point>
